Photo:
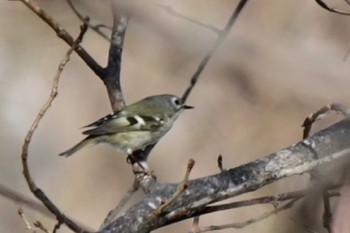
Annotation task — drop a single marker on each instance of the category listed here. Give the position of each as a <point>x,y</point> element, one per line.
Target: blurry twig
<point>221,36</point>
<point>40,226</point>
<point>261,200</point>
<point>36,225</point>
<point>25,220</point>
<point>331,9</point>
<point>23,200</point>
<point>250,221</point>
<point>85,20</point>
<point>195,225</point>
<point>327,213</point>
<point>32,186</point>
<point>172,12</point>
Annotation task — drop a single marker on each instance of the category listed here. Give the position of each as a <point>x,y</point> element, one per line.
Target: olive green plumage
<point>135,126</point>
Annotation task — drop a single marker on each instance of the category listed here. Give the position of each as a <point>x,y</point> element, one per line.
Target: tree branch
<point>112,77</point>
<point>331,9</point>
<point>329,144</point>
<point>222,35</point>
<point>260,200</point>
<point>20,199</point>
<point>95,28</point>
<point>250,221</point>
<point>64,35</point>
<point>32,186</point>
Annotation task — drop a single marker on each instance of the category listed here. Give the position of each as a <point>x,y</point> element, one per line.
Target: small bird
<point>135,126</point>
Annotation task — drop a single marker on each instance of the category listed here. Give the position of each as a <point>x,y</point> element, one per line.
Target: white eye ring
<point>176,101</point>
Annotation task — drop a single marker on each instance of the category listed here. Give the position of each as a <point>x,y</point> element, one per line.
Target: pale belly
<point>129,142</point>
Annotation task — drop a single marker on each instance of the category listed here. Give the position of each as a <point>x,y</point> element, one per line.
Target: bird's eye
<point>176,102</point>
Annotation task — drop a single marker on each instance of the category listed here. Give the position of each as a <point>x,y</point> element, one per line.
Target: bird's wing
<point>117,123</point>
<point>104,119</point>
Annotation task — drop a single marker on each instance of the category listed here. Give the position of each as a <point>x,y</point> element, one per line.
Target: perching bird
<point>135,126</point>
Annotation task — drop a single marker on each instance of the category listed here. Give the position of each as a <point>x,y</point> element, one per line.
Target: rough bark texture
<point>324,147</point>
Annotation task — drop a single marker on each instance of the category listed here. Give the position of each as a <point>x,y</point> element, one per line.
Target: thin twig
<point>25,220</point>
<point>57,226</point>
<point>40,226</point>
<point>195,225</point>
<point>32,186</point>
<point>327,213</point>
<point>24,201</point>
<point>257,201</point>
<point>220,163</point>
<point>252,220</point>
<point>95,28</point>
<point>321,113</point>
<point>331,9</point>
<point>64,35</point>
<point>182,187</point>
<point>222,35</point>
<point>36,224</point>
<point>172,12</point>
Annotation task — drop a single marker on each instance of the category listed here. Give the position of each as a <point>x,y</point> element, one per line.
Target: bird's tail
<point>77,147</point>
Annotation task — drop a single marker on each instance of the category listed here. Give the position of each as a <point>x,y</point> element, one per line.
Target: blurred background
<point>281,61</point>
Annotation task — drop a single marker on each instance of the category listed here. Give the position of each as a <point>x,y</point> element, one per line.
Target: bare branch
<point>195,226</point>
<point>25,220</point>
<point>112,78</point>
<point>23,200</point>
<point>64,35</point>
<point>252,220</point>
<point>95,28</point>
<point>220,163</point>
<point>321,113</point>
<point>36,224</point>
<point>261,200</point>
<point>331,9</point>
<point>40,226</point>
<point>327,213</point>
<point>182,187</point>
<point>32,186</point>
<point>330,145</point>
<point>222,35</point>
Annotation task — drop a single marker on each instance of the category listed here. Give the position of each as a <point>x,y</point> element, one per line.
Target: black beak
<point>187,107</point>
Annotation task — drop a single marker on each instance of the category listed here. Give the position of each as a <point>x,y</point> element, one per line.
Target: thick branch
<point>329,144</point>
<point>112,78</point>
